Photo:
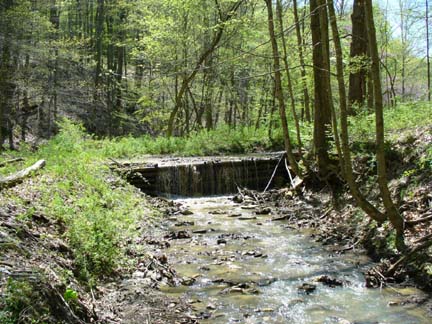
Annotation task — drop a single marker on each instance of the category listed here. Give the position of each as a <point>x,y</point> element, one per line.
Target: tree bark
<point>322,111</point>
<point>306,98</point>
<point>278,90</point>
<point>392,212</point>
<point>361,201</point>
<point>358,50</point>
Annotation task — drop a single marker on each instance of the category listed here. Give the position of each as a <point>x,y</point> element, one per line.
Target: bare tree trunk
<point>391,210</point>
<point>306,99</point>
<point>358,52</point>
<point>278,90</point>
<point>427,53</point>
<point>322,111</point>
<point>361,201</point>
<point>288,74</point>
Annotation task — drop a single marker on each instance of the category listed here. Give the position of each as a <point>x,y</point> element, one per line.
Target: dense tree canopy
<point>147,66</point>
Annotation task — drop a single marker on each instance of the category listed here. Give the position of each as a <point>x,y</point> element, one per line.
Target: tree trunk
<point>358,52</point>
<point>278,90</point>
<point>428,53</point>
<point>347,170</point>
<point>322,111</point>
<point>288,75</point>
<point>306,99</point>
<point>391,210</point>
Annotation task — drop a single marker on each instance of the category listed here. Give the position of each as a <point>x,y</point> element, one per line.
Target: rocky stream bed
<point>244,263</point>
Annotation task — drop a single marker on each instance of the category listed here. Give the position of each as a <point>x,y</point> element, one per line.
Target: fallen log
<point>17,177</point>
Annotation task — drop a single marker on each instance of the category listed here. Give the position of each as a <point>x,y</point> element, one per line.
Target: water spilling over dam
<point>205,176</point>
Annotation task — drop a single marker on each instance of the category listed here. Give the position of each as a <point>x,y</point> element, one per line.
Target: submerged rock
<point>186,212</point>
<point>186,281</point>
<point>306,288</point>
<point>247,218</point>
<point>330,282</point>
<point>221,241</point>
<point>178,235</point>
<point>263,211</point>
<point>184,223</point>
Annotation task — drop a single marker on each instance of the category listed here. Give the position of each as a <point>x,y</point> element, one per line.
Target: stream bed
<point>240,267</point>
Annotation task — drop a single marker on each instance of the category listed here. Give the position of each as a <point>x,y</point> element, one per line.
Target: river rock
<point>187,281</point>
<point>306,288</point>
<point>184,223</point>
<point>203,231</point>
<point>216,212</point>
<point>328,281</point>
<point>238,199</point>
<point>247,218</point>
<point>178,235</point>
<point>249,207</point>
<point>221,241</point>
<point>211,306</point>
<point>263,211</point>
<point>265,310</point>
<point>186,212</point>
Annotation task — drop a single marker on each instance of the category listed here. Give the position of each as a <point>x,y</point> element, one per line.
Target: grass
<point>396,119</point>
<point>99,215</point>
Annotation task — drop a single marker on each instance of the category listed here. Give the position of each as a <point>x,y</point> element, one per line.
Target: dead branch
<point>418,221</point>
<point>407,256</point>
<point>17,177</point>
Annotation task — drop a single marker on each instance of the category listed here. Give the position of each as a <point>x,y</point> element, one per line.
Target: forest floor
<point>47,262</point>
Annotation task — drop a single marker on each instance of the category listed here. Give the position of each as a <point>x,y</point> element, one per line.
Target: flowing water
<point>247,269</point>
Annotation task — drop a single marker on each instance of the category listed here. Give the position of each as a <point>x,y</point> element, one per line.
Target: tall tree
<point>360,199</point>
<point>428,53</point>
<point>278,90</point>
<point>322,112</point>
<point>358,55</point>
<point>392,212</point>
<point>306,99</point>
<point>279,10</point>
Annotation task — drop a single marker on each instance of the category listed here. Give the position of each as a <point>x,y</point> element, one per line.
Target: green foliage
<point>404,116</point>
<point>20,304</point>
<point>70,295</point>
<point>98,217</point>
<point>75,190</point>
<point>219,141</point>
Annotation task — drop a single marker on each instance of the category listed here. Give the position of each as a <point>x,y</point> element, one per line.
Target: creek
<point>246,268</point>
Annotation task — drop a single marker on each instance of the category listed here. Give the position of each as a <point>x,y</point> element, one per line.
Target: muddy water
<point>248,269</point>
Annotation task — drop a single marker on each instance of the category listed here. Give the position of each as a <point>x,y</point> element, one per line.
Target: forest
<point>215,161</point>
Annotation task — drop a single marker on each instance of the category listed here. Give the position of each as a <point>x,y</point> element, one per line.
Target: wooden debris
<point>17,177</point>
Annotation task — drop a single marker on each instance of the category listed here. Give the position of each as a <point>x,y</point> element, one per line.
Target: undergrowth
<point>75,188</point>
